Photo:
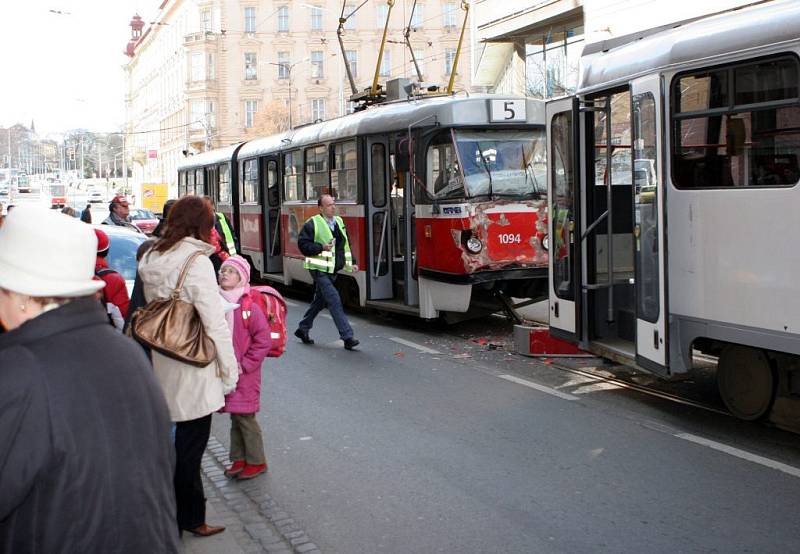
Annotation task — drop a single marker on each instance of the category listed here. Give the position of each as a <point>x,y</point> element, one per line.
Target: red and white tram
<point>444,200</point>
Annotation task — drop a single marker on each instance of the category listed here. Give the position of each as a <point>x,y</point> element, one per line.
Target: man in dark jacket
<point>86,456</point>
<point>323,241</point>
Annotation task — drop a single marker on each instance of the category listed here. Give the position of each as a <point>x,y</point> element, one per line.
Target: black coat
<point>86,457</point>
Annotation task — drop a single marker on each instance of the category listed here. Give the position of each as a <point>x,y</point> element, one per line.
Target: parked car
<point>96,196</point>
<point>122,246</point>
<point>143,219</point>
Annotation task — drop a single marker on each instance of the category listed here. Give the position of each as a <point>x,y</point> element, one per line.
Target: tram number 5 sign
<point>508,110</point>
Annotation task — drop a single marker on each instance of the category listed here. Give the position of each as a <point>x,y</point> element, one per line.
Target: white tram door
<point>271,210</point>
<point>379,255</point>
<point>648,231</point>
<point>563,180</point>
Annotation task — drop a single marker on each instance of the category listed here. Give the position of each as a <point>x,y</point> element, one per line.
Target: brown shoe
<point>205,530</point>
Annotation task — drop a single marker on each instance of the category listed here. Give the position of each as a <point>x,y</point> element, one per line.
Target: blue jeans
<point>325,294</point>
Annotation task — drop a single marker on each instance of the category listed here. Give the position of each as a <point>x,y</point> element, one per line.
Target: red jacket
<point>115,291</point>
<point>216,242</point>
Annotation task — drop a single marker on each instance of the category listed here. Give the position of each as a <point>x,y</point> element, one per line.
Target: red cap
<point>102,240</point>
<point>119,199</point>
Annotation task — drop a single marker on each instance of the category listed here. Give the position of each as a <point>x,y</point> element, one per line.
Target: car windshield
<point>142,214</point>
<point>503,163</point>
<point>122,254</point>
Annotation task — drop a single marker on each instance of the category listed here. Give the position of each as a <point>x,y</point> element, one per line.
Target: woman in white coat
<point>192,393</point>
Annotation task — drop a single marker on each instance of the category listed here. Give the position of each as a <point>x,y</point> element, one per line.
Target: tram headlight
<point>474,245</point>
<point>546,242</point>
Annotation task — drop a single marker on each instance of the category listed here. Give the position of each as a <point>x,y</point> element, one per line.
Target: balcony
<point>206,36</point>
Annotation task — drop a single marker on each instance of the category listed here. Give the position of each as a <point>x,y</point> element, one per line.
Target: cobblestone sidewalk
<point>254,519</point>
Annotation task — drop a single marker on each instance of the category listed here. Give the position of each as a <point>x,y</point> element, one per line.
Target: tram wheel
<point>746,382</point>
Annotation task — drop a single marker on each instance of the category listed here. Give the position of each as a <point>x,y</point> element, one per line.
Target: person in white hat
<point>86,461</point>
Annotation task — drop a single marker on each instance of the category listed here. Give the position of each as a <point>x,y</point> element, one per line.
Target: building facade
<point>208,73</point>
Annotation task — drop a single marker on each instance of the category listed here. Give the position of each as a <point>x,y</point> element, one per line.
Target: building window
<point>198,71</point>
<point>386,64</point>
<point>450,11</point>
<point>417,17</point>
<point>317,69</point>
<point>383,12</point>
<point>551,63</point>
<point>316,18</point>
<point>250,20</point>
<point>449,58</point>
<point>205,19</point>
<point>210,117</point>
<point>210,67</point>
<point>197,112</point>
<point>352,60</point>
<point>350,24</point>
<point>250,66</point>
<point>250,109</point>
<point>283,19</point>
<point>318,109</point>
<point>283,65</point>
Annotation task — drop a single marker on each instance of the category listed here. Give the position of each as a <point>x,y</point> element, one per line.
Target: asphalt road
<point>469,449</point>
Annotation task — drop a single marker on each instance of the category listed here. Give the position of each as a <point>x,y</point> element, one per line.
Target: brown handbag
<point>173,327</point>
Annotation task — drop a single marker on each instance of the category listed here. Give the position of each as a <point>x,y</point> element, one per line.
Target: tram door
<point>271,209</point>
<point>379,229</point>
<point>563,181</point>
<point>648,230</point>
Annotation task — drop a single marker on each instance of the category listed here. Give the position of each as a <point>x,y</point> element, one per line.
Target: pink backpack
<point>274,307</point>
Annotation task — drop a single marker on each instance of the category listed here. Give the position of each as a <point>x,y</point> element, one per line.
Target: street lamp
<point>288,67</point>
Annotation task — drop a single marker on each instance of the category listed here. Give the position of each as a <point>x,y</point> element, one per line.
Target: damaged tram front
<point>444,200</point>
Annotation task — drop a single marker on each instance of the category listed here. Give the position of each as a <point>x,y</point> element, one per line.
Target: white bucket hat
<point>46,253</point>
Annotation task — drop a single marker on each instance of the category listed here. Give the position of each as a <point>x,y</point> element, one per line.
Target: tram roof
<point>619,60</point>
<point>207,158</point>
<point>393,116</point>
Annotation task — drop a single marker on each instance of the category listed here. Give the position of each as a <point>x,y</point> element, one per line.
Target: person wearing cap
<point>115,292</point>
<point>193,393</point>
<point>118,212</point>
<point>86,462</point>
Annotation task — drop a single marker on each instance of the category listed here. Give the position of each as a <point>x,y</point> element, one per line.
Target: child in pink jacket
<point>250,344</point>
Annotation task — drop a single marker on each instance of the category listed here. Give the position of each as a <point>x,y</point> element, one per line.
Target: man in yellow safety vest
<point>323,241</point>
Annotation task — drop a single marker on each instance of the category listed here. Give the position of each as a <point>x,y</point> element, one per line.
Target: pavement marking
<point>423,349</point>
<point>540,388</point>
<point>743,454</point>
<point>290,303</point>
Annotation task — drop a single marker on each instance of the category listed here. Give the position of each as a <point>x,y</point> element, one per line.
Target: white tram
<point>673,194</point>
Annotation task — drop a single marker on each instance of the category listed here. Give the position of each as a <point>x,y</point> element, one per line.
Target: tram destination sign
<point>507,110</point>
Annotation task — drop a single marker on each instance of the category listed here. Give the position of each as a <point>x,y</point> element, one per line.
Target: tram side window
<point>181,183</point>
<point>344,173</point>
<point>199,183</point>
<point>190,182</point>
<point>225,184</point>
<point>443,176</point>
<point>744,135</point>
<point>292,176</point>
<point>249,183</point>
<point>316,172</point>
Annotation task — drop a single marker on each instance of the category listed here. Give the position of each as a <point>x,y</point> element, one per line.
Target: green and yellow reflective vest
<point>326,260</point>
<point>227,234</point>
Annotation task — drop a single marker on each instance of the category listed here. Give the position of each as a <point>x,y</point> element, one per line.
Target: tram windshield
<point>503,163</point>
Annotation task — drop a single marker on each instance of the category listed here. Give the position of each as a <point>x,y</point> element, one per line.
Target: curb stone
<point>256,520</point>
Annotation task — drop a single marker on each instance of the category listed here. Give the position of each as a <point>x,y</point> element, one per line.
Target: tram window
<point>753,140</point>
<point>503,163</point>
<point>378,175</point>
<point>181,183</point>
<point>444,178</point>
<point>292,172</point>
<point>190,182</point>
<point>199,183</point>
<point>273,194</point>
<point>344,173</point>
<point>562,194</point>
<point>225,184</point>
<point>249,184</point>
<point>316,172</point>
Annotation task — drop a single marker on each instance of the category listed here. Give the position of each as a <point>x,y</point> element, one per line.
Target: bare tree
<point>272,118</point>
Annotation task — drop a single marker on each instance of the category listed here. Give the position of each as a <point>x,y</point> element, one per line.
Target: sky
<point>64,71</point>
